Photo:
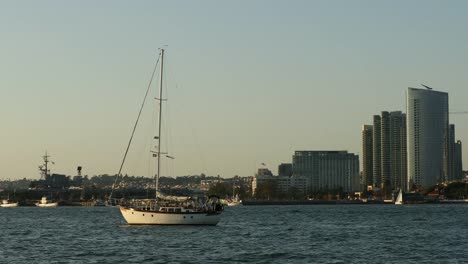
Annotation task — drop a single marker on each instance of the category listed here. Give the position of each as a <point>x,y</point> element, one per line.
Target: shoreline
<point>344,202</point>
<point>310,202</point>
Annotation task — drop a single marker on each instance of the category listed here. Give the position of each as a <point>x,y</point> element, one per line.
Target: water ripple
<point>248,234</point>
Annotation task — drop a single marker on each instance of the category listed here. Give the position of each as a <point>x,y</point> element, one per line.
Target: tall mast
<point>159,125</point>
<point>46,161</point>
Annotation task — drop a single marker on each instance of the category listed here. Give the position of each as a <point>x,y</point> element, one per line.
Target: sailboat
<point>165,210</point>
<point>234,200</point>
<point>7,203</point>
<point>399,199</point>
<point>44,202</point>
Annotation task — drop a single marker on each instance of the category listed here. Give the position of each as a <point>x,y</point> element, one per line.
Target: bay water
<point>246,234</point>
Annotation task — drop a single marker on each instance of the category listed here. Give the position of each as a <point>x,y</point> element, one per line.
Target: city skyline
<point>246,86</point>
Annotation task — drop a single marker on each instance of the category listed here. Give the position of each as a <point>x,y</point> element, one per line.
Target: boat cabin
<point>175,210</point>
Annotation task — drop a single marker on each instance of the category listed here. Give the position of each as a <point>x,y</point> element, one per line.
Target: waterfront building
<point>376,152</point>
<point>458,161</point>
<point>397,175</point>
<point>449,155</point>
<point>427,136</point>
<point>262,175</point>
<point>385,176</point>
<point>454,162</point>
<point>285,169</point>
<point>264,172</point>
<point>327,169</point>
<point>388,161</point>
<point>367,155</point>
<point>283,183</point>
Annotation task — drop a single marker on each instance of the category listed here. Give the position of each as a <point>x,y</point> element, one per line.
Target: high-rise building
<point>367,155</point>
<point>427,136</point>
<point>398,157</point>
<point>454,162</point>
<point>285,169</point>
<point>377,152</point>
<point>458,170</point>
<point>385,177</point>
<point>327,169</point>
<point>389,150</point>
<point>449,164</point>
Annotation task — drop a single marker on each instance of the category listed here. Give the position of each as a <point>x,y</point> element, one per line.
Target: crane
<point>427,87</point>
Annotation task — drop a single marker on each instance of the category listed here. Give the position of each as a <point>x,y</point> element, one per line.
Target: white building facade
<point>427,136</point>
<point>283,183</point>
<point>327,170</point>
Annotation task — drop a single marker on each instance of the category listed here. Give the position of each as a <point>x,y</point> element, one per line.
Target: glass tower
<point>427,136</point>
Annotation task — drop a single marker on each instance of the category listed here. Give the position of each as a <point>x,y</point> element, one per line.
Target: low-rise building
<point>283,183</point>
<point>327,169</point>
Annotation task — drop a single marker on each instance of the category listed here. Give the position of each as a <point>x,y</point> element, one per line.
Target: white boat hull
<point>46,204</point>
<point>141,217</point>
<point>234,203</point>
<point>9,205</point>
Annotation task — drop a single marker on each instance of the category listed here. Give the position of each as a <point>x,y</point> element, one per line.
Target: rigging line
<point>172,75</point>
<point>150,140</point>
<point>135,126</point>
<point>166,123</point>
<point>169,138</point>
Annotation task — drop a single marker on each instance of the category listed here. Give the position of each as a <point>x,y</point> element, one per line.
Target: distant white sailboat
<point>399,199</point>
<point>235,201</point>
<point>164,210</point>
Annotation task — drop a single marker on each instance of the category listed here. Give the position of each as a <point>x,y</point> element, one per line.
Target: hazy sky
<point>249,82</point>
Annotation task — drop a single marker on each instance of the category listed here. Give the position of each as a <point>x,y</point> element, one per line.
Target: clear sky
<point>249,82</point>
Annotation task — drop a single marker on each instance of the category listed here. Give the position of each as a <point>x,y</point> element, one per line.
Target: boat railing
<point>170,206</point>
